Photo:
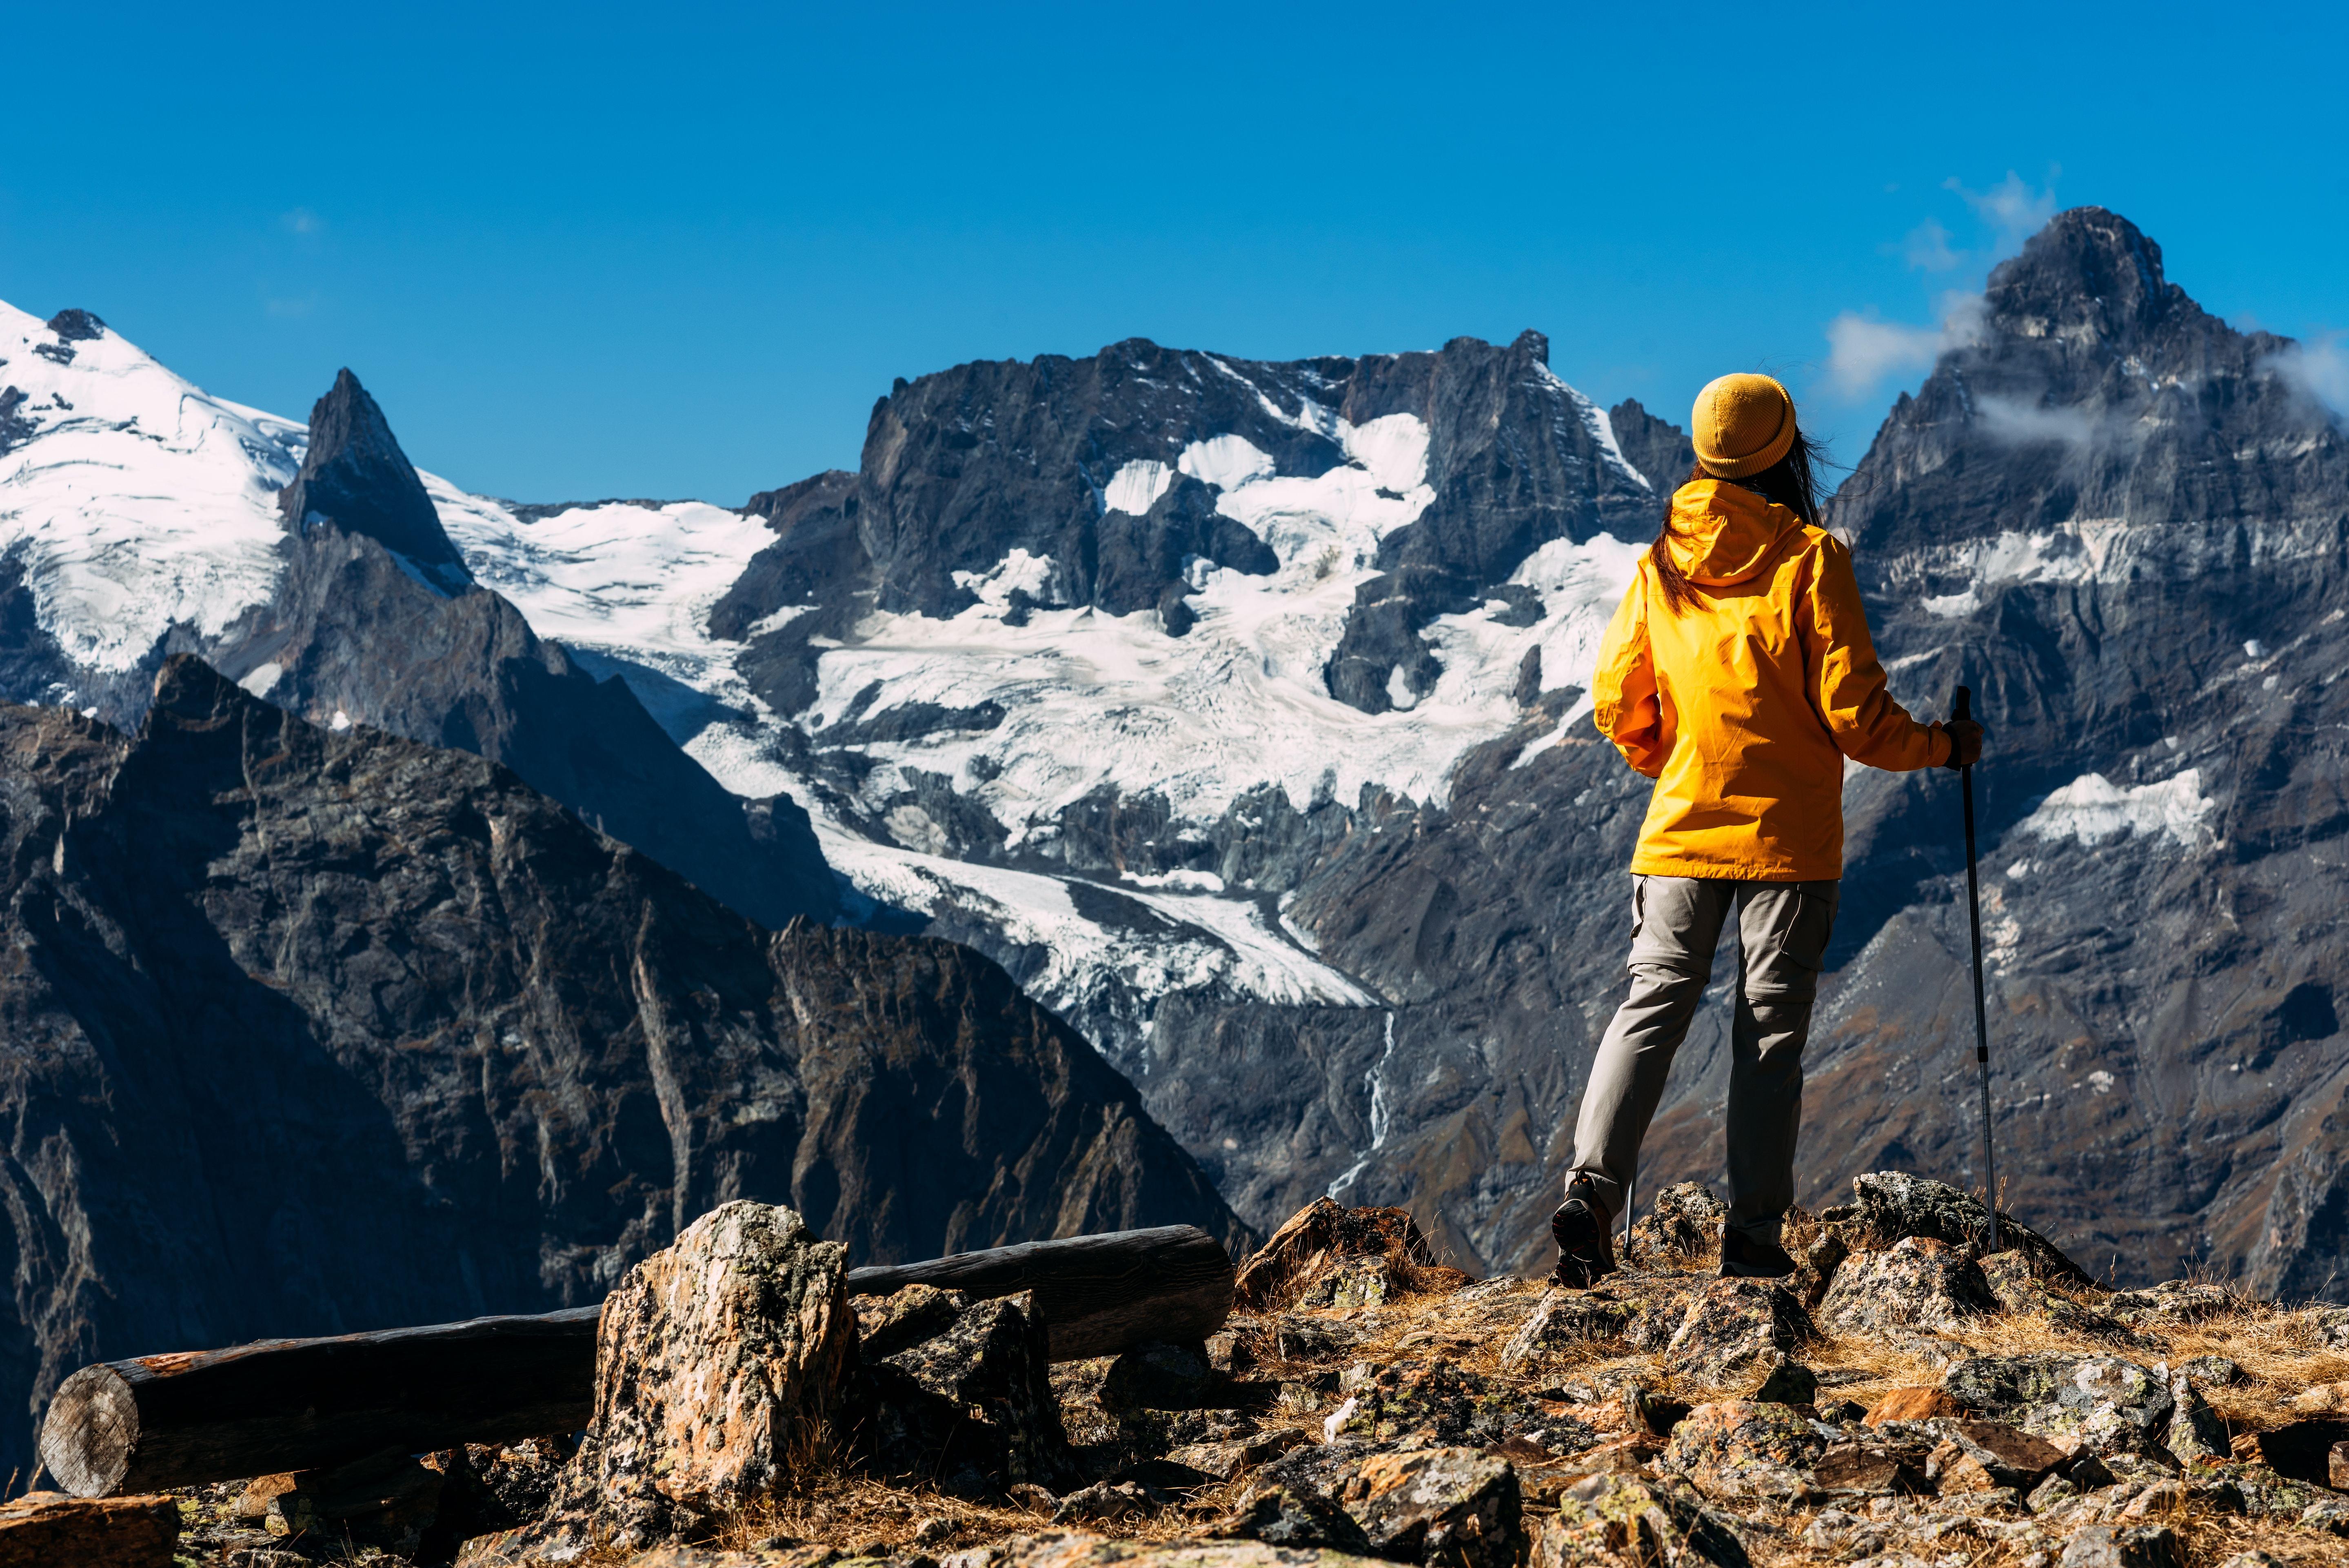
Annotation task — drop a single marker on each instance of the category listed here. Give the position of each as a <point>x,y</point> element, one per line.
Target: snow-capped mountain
<point>140,517</point>
<point>1237,707</point>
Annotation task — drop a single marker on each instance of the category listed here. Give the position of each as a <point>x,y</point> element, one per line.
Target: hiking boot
<point>1743,1258</point>
<point>1580,1228</point>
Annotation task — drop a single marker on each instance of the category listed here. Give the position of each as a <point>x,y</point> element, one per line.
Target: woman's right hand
<point>1965,743</point>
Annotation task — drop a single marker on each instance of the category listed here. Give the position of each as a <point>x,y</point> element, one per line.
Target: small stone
<point>1864,1469</point>
<point>2215,1371</point>
<point>1913,1404</point>
<point>2332,1516</point>
<point>2107,1546</point>
<point>1103,1502</point>
<point>2253,1560</point>
<point>2196,1433</point>
<point>1917,1283</point>
<point>1736,1326</point>
<point>1285,1515</point>
<point>1231,1460</point>
<point>1683,1226</point>
<point>933,1529</point>
<point>2337,1467</point>
<point>906,1317</point>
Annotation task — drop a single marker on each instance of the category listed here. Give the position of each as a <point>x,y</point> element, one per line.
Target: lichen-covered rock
<point>905,1316</point>
<point>1683,1226</point>
<point>2016,1286</point>
<point>1570,1320</point>
<point>972,1407</point>
<point>1230,1460</point>
<point>1319,1237</point>
<point>2099,1402</point>
<point>1867,1470</point>
<point>1450,1404</point>
<point>1081,1549</point>
<point>1743,1447</point>
<point>2108,1546</point>
<point>1292,1500</point>
<point>1735,1327</point>
<point>1442,1505</point>
<point>1913,1404</point>
<point>1992,1454</point>
<point>1616,1520</point>
<point>2196,1433</point>
<point>2172,1301</point>
<point>1155,1376</point>
<point>1894,1204</point>
<point>721,1365</point>
<point>1916,1283</point>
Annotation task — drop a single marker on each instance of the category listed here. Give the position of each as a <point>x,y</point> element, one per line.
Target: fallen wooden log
<point>180,1420</point>
<point>1097,1295</point>
<point>157,1421</point>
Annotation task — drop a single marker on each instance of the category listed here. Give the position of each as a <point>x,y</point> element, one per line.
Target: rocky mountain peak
<point>355,476</point>
<point>2089,274</point>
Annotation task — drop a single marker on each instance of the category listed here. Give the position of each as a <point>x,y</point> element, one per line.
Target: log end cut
<point>91,1432</point>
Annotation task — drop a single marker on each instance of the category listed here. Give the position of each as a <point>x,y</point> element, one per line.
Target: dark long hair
<point>1791,482</point>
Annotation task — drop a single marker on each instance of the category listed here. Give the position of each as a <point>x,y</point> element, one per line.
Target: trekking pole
<point>1962,709</point>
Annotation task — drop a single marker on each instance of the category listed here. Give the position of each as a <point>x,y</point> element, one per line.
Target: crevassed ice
<point>2093,810</point>
<point>139,503</point>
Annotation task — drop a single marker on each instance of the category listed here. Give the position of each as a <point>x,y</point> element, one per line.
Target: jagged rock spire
<point>355,476</point>
<point>2091,274</point>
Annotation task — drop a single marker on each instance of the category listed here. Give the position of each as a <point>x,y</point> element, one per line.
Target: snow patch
<point>1137,486</point>
<point>1030,574</point>
<point>1225,462</point>
<point>139,503</point>
<point>261,679</point>
<point>2093,809</point>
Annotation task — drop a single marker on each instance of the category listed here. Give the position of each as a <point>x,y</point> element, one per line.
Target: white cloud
<point>2013,209</point>
<point>1862,351</point>
<point>1928,248</point>
<point>2021,423</point>
<point>2319,369</point>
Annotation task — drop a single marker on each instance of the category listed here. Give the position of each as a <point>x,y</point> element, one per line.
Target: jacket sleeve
<point>1623,688</point>
<point>1848,684</point>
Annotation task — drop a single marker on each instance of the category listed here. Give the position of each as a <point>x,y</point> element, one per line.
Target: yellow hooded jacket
<point>1743,706</point>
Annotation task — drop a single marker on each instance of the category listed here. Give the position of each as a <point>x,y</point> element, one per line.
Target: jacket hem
<point>1641,866</point>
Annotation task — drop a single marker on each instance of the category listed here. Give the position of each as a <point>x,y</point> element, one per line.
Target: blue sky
<point>588,250</point>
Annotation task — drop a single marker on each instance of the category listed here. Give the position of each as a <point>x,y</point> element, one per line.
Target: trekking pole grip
<point>1962,709</point>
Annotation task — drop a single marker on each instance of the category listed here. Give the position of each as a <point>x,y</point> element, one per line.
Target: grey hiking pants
<point>1783,930</point>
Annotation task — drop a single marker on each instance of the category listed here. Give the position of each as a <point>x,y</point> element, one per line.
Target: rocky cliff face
<point>313,1031</point>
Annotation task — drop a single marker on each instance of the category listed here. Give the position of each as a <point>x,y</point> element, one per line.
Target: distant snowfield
<point>139,502</point>
<point>2093,810</point>
<point>1092,699</point>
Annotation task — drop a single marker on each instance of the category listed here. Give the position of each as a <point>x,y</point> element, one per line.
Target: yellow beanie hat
<point>1741,425</point>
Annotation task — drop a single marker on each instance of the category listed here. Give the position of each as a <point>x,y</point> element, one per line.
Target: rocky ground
<point>1906,1399</point>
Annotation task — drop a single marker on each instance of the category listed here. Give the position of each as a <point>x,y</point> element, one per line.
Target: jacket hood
<point>1723,533</point>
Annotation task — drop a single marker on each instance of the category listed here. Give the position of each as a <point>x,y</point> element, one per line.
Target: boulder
<point>2196,1433</point>
<point>1735,1327</point>
<point>2111,1546</point>
<point>1439,1505</point>
<point>1319,1237</point>
<point>1282,1514</point>
<point>2101,1403</point>
<point>50,1529</point>
<point>1155,1376</point>
<point>1982,1456</point>
<point>2173,1302</point>
<point>1450,1403</point>
<point>1867,1470</point>
<point>1620,1521</point>
<point>1742,1448</point>
<point>722,1364</point>
<point>1231,1459</point>
<point>1571,1321</point>
<point>1683,1226</point>
<point>972,1407</point>
<point>1916,1283</point>
<point>1103,1502</point>
<point>905,1317</point>
<point>1893,1204</point>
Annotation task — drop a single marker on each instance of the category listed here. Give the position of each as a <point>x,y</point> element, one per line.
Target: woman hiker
<point>1738,674</point>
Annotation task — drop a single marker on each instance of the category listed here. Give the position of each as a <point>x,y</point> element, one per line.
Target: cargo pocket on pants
<point>1796,928</point>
